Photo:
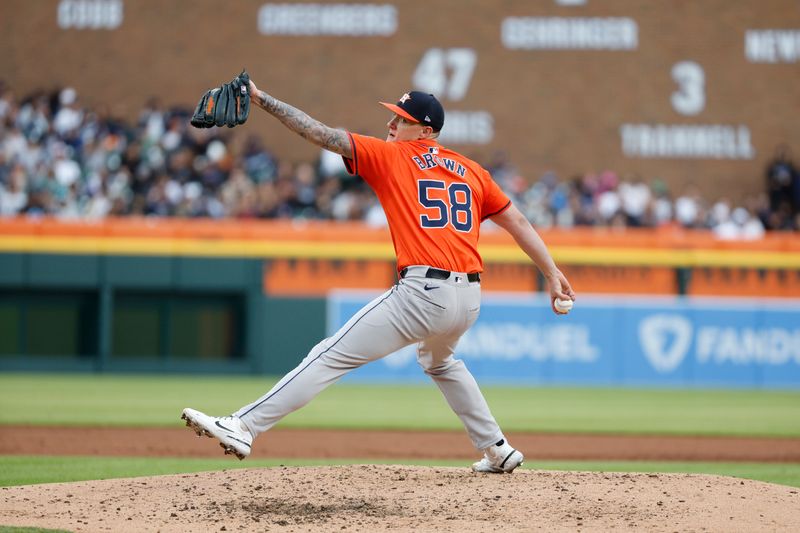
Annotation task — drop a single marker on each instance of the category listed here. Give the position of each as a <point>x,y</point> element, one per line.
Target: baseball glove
<point>227,105</point>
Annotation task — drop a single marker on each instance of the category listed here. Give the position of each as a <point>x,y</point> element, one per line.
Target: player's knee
<point>434,367</point>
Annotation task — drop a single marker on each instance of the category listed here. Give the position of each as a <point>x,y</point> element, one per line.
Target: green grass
<point>128,400</point>
<point>26,470</point>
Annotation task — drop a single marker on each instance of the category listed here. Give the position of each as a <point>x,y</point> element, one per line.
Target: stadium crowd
<point>60,159</point>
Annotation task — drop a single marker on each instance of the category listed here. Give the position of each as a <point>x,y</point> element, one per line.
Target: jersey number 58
<point>457,213</point>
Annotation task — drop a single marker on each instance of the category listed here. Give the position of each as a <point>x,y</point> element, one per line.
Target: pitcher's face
<point>402,129</point>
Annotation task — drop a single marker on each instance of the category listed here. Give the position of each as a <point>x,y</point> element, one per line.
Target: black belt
<point>436,273</point>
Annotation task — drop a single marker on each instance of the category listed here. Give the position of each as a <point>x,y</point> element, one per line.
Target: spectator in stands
<point>584,190</point>
<point>689,209</point>
<point>259,164</point>
<point>750,226</point>
<point>33,119</point>
<point>331,166</point>
<point>660,210</point>
<point>6,101</point>
<point>69,116</point>
<point>151,121</point>
<point>305,180</point>
<point>501,169</point>
<point>635,197</point>
<point>609,202</point>
<point>782,219</point>
<point>238,195</point>
<point>162,197</point>
<point>782,179</point>
<point>13,192</point>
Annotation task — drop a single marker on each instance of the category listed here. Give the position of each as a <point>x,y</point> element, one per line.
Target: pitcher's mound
<point>403,498</point>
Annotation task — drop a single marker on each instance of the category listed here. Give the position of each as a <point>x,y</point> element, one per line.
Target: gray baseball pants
<point>433,313</point>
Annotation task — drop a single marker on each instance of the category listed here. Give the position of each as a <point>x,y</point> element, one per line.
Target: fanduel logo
<point>510,341</point>
<point>665,340</point>
<point>748,345</point>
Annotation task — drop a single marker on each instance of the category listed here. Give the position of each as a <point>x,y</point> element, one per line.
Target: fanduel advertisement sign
<point>625,341</point>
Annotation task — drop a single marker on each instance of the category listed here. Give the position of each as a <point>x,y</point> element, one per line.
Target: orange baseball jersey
<point>434,200</point>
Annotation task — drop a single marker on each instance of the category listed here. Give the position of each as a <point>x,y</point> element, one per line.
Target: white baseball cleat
<point>498,459</point>
<point>233,436</point>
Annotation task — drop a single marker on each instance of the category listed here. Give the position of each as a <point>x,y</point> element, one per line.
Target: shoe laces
<point>237,423</point>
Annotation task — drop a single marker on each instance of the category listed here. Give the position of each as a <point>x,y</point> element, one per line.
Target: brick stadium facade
<point>698,92</point>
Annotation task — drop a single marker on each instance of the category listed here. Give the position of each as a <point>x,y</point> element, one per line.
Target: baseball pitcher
<point>435,200</point>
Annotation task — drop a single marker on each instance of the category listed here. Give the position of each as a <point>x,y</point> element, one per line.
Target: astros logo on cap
<point>404,98</point>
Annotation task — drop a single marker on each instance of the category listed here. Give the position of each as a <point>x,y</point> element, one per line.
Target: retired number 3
<point>459,211</point>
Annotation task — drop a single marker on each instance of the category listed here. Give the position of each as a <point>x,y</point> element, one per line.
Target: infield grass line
<point>157,401</point>
<point>27,470</point>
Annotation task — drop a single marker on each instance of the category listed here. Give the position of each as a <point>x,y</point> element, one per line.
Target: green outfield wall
<point>134,313</point>
<point>156,309</point>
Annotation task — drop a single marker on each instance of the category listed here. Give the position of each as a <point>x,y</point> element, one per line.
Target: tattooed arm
<point>308,128</point>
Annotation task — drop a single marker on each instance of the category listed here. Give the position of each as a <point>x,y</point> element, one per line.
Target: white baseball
<point>563,306</point>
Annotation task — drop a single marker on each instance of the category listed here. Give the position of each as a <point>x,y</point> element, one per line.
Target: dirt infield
<point>371,498</point>
<point>401,498</point>
<point>293,443</point>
